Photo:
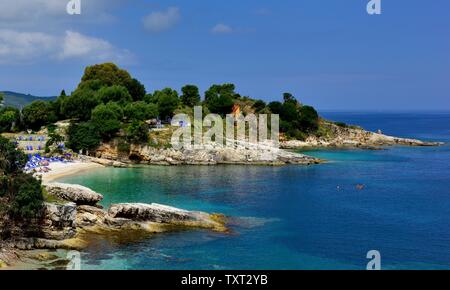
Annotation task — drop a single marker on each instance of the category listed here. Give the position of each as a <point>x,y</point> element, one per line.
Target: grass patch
<point>51,198</point>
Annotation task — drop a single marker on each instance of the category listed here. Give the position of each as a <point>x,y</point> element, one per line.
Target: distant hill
<point>20,100</point>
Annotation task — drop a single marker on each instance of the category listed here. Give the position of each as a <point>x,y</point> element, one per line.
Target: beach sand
<point>59,169</point>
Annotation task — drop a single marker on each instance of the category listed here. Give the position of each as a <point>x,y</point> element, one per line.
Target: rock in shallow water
<point>151,212</point>
<point>75,193</point>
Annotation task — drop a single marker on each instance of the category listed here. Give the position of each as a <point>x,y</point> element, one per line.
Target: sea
<point>296,217</point>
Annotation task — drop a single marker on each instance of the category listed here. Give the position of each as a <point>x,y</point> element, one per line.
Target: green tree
<point>289,112</point>
<point>57,105</point>
<point>220,98</point>
<point>54,139</point>
<point>93,85</point>
<point>80,104</point>
<point>136,90</point>
<point>21,193</point>
<point>190,96</point>
<point>167,101</point>
<point>289,98</point>
<point>9,118</point>
<point>117,94</point>
<point>107,118</point>
<point>11,160</point>
<point>83,136</point>
<point>276,107</point>
<point>106,74</point>
<point>137,132</point>
<point>309,119</point>
<point>140,111</point>
<point>28,200</point>
<point>151,98</point>
<point>38,114</point>
<point>259,106</point>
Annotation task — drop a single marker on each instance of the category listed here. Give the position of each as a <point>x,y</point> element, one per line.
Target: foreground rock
<point>339,136</point>
<point>75,193</point>
<point>70,222</point>
<point>158,213</point>
<point>7,256</point>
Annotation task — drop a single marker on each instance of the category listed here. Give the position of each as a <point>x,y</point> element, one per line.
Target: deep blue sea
<point>297,217</point>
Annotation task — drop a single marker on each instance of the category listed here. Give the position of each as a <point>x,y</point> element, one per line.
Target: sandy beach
<point>59,169</point>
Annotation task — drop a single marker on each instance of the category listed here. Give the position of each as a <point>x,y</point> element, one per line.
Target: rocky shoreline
<point>74,215</point>
<point>109,155</point>
<point>353,137</point>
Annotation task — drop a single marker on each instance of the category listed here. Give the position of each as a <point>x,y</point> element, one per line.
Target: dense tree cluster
<point>296,120</point>
<point>20,193</point>
<point>109,101</point>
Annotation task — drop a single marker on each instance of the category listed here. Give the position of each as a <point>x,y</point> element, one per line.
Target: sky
<point>329,53</point>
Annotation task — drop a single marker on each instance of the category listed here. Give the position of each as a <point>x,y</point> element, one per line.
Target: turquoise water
<point>297,217</point>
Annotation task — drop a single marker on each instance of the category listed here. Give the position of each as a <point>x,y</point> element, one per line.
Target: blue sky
<point>328,53</point>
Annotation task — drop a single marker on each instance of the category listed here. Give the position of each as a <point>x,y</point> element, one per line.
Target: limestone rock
<point>75,193</point>
<point>59,221</point>
<point>339,136</point>
<point>88,216</point>
<point>157,213</point>
<point>148,212</point>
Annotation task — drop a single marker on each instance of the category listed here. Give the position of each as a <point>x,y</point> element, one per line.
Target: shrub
<point>259,106</point>
<point>140,111</point>
<point>38,114</point>
<point>123,147</point>
<point>8,117</point>
<point>309,119</point>
<point>83,136</point>
<point>80,104</point>
<point>28,200</point>
<point>190,96</point>
<point>21,193</point>
<point>107,118</point>
<point>137,132</point>
<point>220,98</point>
<point>117,94</point>
<point>11,160</point>
<point>341,124</point>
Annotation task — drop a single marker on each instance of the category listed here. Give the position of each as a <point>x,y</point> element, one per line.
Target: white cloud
<point>48,13</point>
<point>222,29</point>
<point>162,20</point>
<point>24,46</point>
<point>27,47</point>
<point>77,45</point>
<point>22,9</point>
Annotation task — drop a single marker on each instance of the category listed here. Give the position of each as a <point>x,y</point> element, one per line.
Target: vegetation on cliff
<point>20,193</point>
<point>109,102</point>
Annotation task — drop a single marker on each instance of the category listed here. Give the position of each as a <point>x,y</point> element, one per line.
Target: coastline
<point>59,170</point>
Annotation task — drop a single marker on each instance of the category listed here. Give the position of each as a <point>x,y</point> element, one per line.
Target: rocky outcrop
<point>7,256</point>
<point>143,154</point>
<point>339,136</point>
<point>158,213</point>
<point>59,221</point>
<point>75,193</point>
<point>108,162</point>
<point>68,223</point>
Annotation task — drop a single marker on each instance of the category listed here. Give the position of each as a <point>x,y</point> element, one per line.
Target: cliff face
<point>339,136</point>
<point>144,154</point>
